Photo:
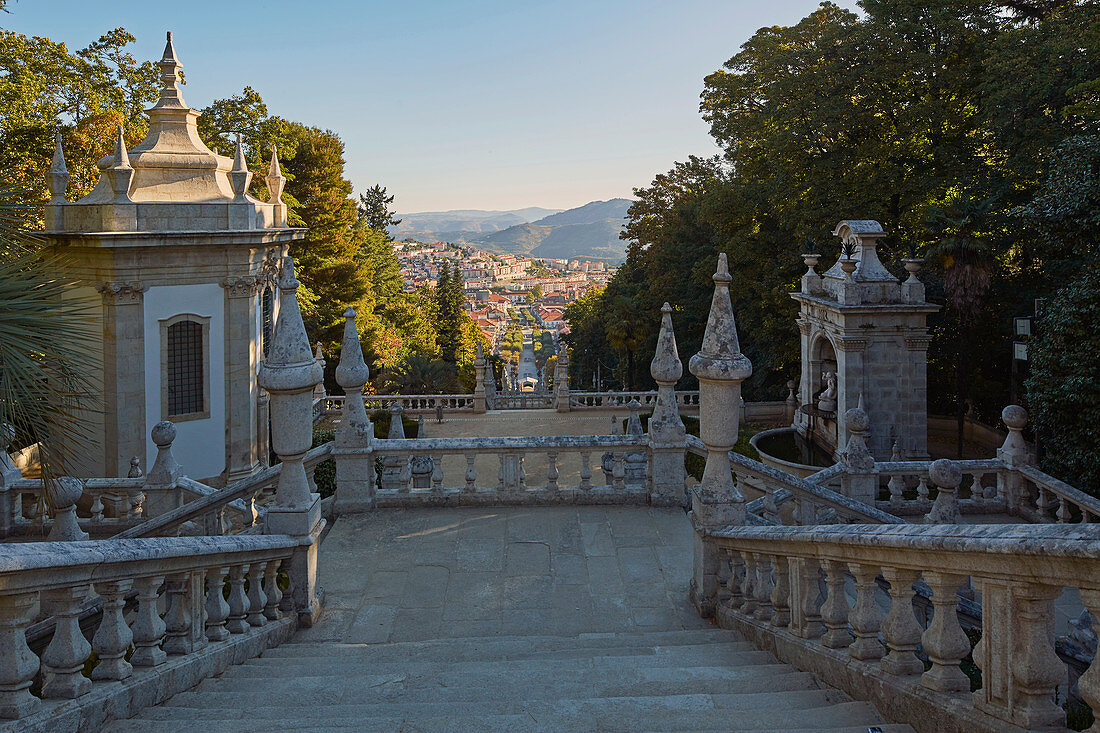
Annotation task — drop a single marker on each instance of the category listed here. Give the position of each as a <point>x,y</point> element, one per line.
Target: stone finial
<point>863,235</point>
<point>290,365</point>
<point>239,175</point>
<point>720,356</point>
<point>165,470</point>
<point>479,357</point>
<point>135,468</point>
<point>720,367</point>
<point>397,423</point>
<point>170,66</point>
<point>1014,452</point>
<point>857,456</point>
<point>63,493</point>
<point>792,395</point>
<point>57,178</point>
<point>319,357</point>
<point>634,422</point>
<point>352,372</point>
<point>120,173</point>
<point>947,476</point>
<point>275,179</point>
<point>666,365</point>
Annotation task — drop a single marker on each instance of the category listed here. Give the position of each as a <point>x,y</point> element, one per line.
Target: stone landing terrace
<point>559,618</point>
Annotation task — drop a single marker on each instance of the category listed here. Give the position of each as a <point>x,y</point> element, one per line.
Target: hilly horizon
<point>589,232</point>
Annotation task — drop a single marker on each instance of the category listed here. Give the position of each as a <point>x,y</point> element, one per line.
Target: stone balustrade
<point>811,596</point>
<point>332,405</point>
<point>522,401</point>
<point>685,400</point>
<point>185,626</point>
<point>600,469</point>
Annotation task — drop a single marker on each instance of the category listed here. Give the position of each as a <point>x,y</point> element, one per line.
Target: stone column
<point>354,459</point>
<point>716,501</point>
<point>289,375</point>
<point>479,381</point>
<point>242,457</point>
<point>561,380</point>
<point>123,375</point>
<point>667,437</point>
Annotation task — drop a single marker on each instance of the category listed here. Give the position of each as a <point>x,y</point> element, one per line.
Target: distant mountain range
<point>589,232</point>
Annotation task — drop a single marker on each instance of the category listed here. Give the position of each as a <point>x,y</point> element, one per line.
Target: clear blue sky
<point>487,104</point>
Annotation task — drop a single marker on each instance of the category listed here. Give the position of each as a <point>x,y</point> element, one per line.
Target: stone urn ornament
<point>62,494</point>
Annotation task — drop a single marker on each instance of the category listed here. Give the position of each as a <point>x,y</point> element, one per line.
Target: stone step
<point>723,652</point>
<point>354,684</point>
<point>848,717</point>
<point>511,645</point>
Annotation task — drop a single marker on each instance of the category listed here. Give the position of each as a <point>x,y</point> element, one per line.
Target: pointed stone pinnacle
<point>58,163</point>
<point>666,365</point>
<point>169,78</point>
<point>290,366</point>
<point>722,274</point>
<point>352,372</point>
<point>238,157</point>
<point>169,49</point>
<point>122,158</point>
<point>275,179</point>
<point>720,356</point>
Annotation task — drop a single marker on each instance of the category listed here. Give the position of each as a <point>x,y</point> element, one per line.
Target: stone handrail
<point>814,503</point>
<point>410,403</point>
<point>774,576</point>
<point>413,470</point>
<point>126,496</point>
<point>1046,499</point>
<point>168,572</point>
<point>246,489</point>
<point>522,401</point>
<point>906,488</point>
<point>602,400</point>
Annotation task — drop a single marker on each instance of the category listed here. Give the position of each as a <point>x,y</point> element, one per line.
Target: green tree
<point>376,207</point>
<point>1064,385</point>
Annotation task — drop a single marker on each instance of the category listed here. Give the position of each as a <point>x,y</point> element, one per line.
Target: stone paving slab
<point>416,575</point>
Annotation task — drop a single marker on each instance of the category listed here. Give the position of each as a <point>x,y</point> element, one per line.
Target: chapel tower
<point>180,265</point>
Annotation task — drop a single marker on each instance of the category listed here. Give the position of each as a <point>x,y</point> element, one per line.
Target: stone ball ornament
<point>1015,417</point>
<point>163,433</point>
<point>857,420</point>
<point>945,473</point>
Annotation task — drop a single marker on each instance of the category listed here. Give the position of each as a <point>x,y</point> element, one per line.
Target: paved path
<point>414,575</point>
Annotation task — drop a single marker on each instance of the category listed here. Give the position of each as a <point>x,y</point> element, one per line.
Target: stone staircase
<point>701,679</point>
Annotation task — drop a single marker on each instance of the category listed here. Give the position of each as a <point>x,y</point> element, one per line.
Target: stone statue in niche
<point>827,401</point>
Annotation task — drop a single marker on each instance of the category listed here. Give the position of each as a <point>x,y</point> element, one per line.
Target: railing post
<point>834,612</point>
<point>716,501</point>
<point>944,640</point>
<point>355,490</point>
<point>18,664</point>
<point>68,649</point>
<point>900,628</point>
<point>1013,453</point>
<point>667,437</point>
<point>289,376</point>
<point>479,381</point>
<point>865,617</point>
<point>162,494</point>
<point>148,628</point>
<point>859,480</point>
<point>1036,668</point>
<point>63,493</point>
<point>112,639</point>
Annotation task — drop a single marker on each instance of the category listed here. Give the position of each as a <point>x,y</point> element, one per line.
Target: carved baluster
<point>500,472</point>
<point>238,601</point>
<point>1089,683</point>
<point>809,624</point>
<point>922,488</point>
<point>217,610</point>
<point>65,656</point>
<point>834,612</point>
<point>900,628</point>
<point>250,513</point>
<point>781,592</point>
<point>618,472</point>
<point>865,618</point>
<point>1036,668</point>
<point>471,474</point>
<point>177,619</point>
<point>944,641</point>
<point>148,628</point>
<point>1063,511</point>
<point>735,579</point>
<point>112,639</point>
<point>748,586</point>
<point>271,590</point>
<point>256,597</point>
<point>764,609</point>
<point>18,664</point>
<point>552,471</point>
<point>437,475</point>
<point>522,473</point>
<point>96,509</point>
<point>989,491</point>
<point>586,470</point>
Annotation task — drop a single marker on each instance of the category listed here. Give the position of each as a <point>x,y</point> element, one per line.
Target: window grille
<point>185,368</point>
<point>269,317</point>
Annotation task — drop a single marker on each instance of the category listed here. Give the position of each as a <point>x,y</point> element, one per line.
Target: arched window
<point>186,370</point>
<point>268,309</point>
